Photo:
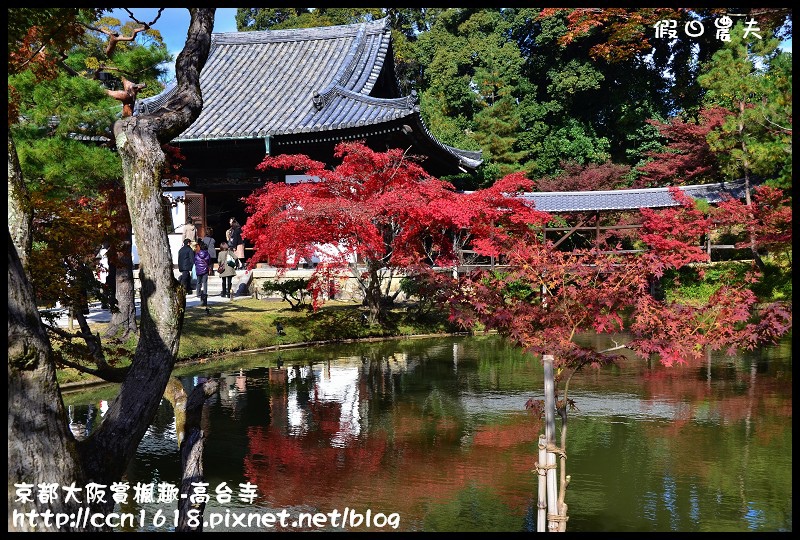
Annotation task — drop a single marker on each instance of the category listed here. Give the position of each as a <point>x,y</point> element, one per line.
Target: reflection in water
<point>81,423</point>
<point>436,430</point>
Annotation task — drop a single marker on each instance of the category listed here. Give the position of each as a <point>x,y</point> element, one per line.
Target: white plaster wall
<point>176,237</point>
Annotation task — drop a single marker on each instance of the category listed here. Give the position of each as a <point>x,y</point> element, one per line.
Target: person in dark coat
<point>185,264</point>
<point>202,263</point>
<point>235,242</point>
<point>208,240</point>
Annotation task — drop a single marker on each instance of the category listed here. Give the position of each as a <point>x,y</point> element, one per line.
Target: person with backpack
<point>226,269</point>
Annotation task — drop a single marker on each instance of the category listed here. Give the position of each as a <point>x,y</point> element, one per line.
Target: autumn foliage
<point>687,157</point>
<point>383,213</point>
<point>69,234</point>
<point>770,218</point>
<point>591,177</point>
<point>374,215</point>
<point>545,298</point>
<point>627,31</point>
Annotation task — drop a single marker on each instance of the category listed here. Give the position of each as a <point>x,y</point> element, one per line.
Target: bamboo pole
<point>541,522</point>
<point>562,505</point>
<point>549,432</point>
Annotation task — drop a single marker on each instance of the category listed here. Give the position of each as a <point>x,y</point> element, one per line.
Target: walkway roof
<point>629,199</point>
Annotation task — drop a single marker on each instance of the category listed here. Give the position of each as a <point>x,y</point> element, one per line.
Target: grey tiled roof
<point>628,199</point>
<point>290,82</point>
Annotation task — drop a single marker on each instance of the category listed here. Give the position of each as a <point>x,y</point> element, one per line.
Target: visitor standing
<point>235,243</point>
<point>185,265</point>
<point>208,240</point>
<point>190,231</point>
<point>201,265</point>
<point>227,262</point>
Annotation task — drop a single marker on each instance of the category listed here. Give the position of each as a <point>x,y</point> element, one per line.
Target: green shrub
<point>295,291</point>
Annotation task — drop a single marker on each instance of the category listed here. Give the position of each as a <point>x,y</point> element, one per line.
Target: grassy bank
<point>249,324</point>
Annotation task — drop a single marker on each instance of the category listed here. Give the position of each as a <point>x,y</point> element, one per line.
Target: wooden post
<point>541,521</point>
<point>597,230</point>
<point>550,437</point>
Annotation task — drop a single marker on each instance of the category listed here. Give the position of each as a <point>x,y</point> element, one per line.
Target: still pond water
<point>435,431</point>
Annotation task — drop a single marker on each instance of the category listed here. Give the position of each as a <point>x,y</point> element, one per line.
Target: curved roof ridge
<point>404,102</point>
<point>476,155</point>
<point>153,103</point>
<point>297,34</point>
<point>469,158</point>
<point>323,96</point>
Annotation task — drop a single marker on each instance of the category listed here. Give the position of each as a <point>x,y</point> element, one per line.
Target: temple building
<point>287,92</point>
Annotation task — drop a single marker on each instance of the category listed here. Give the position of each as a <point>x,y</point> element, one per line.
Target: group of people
<point>202,256</point>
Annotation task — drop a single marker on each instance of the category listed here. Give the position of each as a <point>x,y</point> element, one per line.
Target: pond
<point>433,435</point>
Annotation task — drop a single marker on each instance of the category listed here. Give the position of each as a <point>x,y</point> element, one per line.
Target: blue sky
<point>174,23</point>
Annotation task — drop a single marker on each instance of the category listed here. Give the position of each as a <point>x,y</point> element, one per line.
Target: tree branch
<point>107,373</point>
<point>114,37</point>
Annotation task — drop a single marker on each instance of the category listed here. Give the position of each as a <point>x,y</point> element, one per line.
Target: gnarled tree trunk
<point>41,448</point>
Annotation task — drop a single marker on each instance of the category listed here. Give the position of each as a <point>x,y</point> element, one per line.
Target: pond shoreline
<point>94,382</point>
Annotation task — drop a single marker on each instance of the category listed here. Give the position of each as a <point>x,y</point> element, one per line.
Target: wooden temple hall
<point>286,92</point>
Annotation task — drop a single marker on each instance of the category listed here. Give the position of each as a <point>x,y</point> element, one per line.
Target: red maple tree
<point>375,215</point>
<point>686,158</point>
<point>545,298</point>
<point>770,218</point>
<point>591,177</point>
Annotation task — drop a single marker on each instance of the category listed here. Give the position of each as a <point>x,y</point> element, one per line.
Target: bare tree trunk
<point>747,198</point>
<point>139,141</point>
<point>373,297</point>
<point>563,476</point>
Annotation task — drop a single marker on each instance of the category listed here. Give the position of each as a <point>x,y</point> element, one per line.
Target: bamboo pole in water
<point>541,522</point>
<point>550,436</point>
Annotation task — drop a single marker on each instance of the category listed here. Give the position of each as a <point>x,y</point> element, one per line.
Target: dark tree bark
<point>192,442</point>
<point>139,141</point>
<point>20,215</point>
<point>123,312</point>
<point>41,448</point>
